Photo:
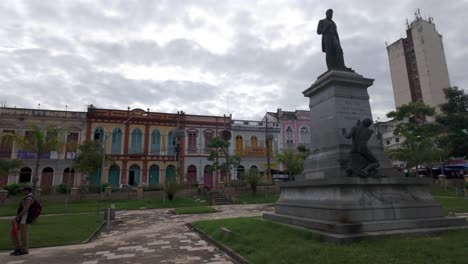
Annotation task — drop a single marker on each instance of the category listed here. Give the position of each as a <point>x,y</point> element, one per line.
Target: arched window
<point>254,168</point>
<point>68,177</point>
<point>192,174</point>
<point>170,144</point>
<point>192,141</point>
<point>289,135</point>
<point>239,145</point>
<point>254,142</point>
<point>207,177</point>
<point>47,177</point>
<point>155,142</point>
<point>99,135</point>
<point>25,175</point>
<point>134,175</point>
<point>305,136</point>
<point>136,143</point>
<point>208,137</point>
<point>240,171</point>
<point>154,175</point>
<point>170,174</point>
<point>116,143</point>
<point>114,176</point>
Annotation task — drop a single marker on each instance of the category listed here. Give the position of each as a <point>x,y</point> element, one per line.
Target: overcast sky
<point>207,57</point>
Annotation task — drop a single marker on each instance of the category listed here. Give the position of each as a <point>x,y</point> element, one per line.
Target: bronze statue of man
<point>331,43</point>
<point>362,162</point>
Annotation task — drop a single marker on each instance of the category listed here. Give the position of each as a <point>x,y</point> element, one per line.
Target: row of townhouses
<point>150,148</point>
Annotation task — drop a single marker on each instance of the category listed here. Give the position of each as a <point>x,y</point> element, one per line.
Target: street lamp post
<point>103,160</point>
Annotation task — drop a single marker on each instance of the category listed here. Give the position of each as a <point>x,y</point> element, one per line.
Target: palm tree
<point>39,142</point>
<point>8,167</point>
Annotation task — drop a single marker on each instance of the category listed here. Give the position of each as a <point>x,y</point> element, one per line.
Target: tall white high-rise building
<point>417,65</point>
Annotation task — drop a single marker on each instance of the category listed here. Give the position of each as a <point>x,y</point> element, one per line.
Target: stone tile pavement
<point>143,236</point>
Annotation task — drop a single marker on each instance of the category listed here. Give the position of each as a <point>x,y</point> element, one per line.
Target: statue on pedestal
<point>331,43</point>
<point>361,163</point>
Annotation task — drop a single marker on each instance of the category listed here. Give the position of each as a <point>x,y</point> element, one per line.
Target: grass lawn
<point>248,198</point>
<point>267,242</point>
<point>195,210</point>
<point>453,204</point>
<point>54,230</point>
<point>91,206</point>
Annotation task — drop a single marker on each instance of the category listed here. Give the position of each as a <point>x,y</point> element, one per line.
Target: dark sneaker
<point>14,252</point>
<point>19,253</point>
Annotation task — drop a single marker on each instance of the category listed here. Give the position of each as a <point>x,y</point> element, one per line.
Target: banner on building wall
<point>23,154</point>
<point>255,152</point>
<point>272,165</point>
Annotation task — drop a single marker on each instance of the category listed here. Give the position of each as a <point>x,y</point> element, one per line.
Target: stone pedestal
<point>3,196</point>
<point>140,192</point>
<point>75,194</point>
<point>337,100</point>
<point>108,192</point>
<point>342,208</point>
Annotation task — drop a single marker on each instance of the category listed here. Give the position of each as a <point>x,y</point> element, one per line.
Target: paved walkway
<point>149,236</point>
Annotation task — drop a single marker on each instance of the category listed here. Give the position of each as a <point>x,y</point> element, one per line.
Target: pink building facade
<point>295,127</point>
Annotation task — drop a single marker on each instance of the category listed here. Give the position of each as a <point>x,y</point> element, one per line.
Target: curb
<point>238,258</point>
<point>95,234</point>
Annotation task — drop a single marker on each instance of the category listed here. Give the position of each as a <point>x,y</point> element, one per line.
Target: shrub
<point>153,187</point>
<point>13,189</point>
<point>62,188</point>
<point>171,188</point>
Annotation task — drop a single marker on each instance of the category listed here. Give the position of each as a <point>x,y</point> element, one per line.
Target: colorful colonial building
<point>150,148</point>
<point>249,141</point>
<point>295,127</point>
<point>55,166</point>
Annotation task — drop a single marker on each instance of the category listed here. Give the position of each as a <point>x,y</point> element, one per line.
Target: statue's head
<point>329,13</point>
<point>367,122</point>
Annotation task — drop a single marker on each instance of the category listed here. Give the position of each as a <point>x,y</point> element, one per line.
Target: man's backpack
<point>34,211</point>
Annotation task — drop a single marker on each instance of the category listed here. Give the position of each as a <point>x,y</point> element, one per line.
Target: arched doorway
<point>170,174</point>
<point>114,176</point>
<point>240,171</point>
<point>192,174</point>
<point>47,176</point>
<point>154,175</point>
<point>208,177</point>
<point>95,178</point>
<point>68,177</point>
<point>134,175</point>
<point>253,167</point>
<point>25,175</point>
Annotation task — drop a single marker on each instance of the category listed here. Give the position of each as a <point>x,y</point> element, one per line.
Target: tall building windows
<point>239,145</point>
<point>289,135</point>
<point>305,136</point>
<point>170,144</point>
<point>254,142</point>
<point>136,142</point>
<point>155,147</point>
<point>116,141</point>
<point>71,146</point>
<point>98,135</point>
<point>192,141</point>
<point>208,134</point>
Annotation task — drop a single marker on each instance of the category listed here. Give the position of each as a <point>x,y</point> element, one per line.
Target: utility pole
<point>267,143</point>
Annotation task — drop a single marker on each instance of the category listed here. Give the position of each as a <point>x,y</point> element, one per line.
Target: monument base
<point>349,209</point>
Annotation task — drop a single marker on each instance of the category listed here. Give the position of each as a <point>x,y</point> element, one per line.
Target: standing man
<point>331,43</point>
<point>21,237</point>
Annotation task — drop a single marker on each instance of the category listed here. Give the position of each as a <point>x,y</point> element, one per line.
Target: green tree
<point>421,144</point>
<point>8,167</point>
<point>89,157</point>
<point>252,177</point>
<point>38,141</point>
<point>221,146</point>
<point>293,160</point>
<point>454,118</point>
